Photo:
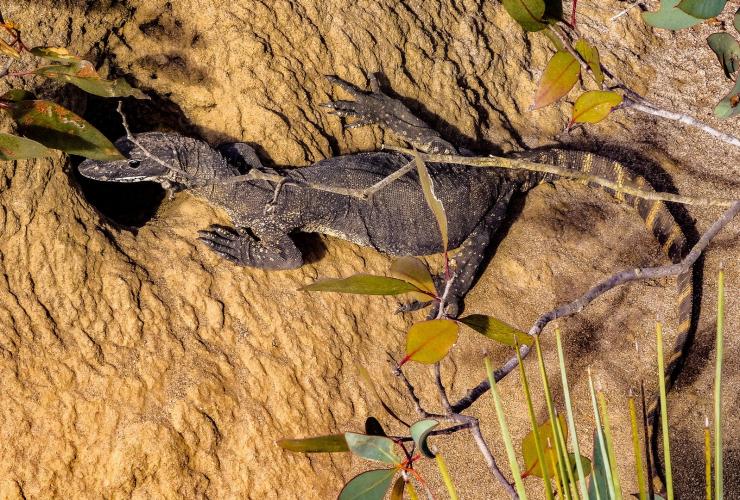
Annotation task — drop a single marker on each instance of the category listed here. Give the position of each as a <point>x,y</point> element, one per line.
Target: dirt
<point>135,363</point>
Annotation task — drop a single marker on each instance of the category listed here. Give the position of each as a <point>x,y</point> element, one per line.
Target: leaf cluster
<point>680,14</point>
<point>46,125</point>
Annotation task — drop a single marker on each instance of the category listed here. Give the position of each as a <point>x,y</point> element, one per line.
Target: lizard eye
<point>134,163</point>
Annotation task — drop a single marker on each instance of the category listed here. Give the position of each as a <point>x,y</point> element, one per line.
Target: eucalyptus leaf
<point>378,448</point>
<point>594,105</point>
<point>430,341</point>
<point>727,51</point>
<point>730,104</point>
<point>496,330</point>
<point>13,147</point>
<point>736,20</point>
<point>702,9</point>
<point>559,76</point>
<point>320,444</point>
<point>528,13</point>
<point>17,95</point>
<point>398,487</point>
<point>669,17</point>
<point>370,485</point>
<point>363,284</point>
<point>59,128</point>
<point>420,431</point>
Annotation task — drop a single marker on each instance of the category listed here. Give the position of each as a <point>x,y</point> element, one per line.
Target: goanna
<point>395,220</point>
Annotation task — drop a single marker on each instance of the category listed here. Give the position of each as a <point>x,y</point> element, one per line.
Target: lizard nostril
<point>134,163</point>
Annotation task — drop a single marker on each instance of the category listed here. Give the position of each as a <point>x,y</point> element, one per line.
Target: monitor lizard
<point>395,220</point>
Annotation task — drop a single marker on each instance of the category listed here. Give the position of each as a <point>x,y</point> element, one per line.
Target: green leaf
<point>58,128</point>
<point>17,95</point>
<point>736,20</point>
<point>528,13</point>
<point>702,9</point>
<point>398,487</point>
<point>378,448</point>
<point>56,54</point>
<point>598,479</point>
<point>13,147</point>
<point>430,341</point>
<point>9,50</point>
<point>370,485</point>
<point>547,439</point>
<point>496,330</point>
<point>420,431</point>
<point>669,17</point>
<point>590,54</point>
<point>560,75</point>
<point>730,104</point>
<point>435,204</point>
<point>363,284</point>
<point>82,74</point>
<point>594,106</point>
<point>320,444</point>
<point>414,271</point>
<point>85,77</point>
<point>373,427</point>
<point>727,51</point>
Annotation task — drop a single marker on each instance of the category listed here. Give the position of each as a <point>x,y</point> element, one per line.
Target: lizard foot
<point>375,107</point>
<point>224,241</point>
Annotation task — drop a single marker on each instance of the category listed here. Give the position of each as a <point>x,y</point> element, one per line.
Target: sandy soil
<point>134,363</point>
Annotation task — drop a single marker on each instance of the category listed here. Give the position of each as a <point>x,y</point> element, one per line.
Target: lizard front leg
<point>375,107</point>
<point>271,249</point>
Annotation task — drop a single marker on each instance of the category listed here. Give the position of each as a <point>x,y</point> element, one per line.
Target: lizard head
<point>152,157</point>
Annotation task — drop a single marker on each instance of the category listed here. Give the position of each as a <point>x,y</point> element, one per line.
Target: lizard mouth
<point>129,204</point>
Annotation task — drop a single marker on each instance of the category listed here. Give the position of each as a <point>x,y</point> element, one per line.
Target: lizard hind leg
<point>375,107</point>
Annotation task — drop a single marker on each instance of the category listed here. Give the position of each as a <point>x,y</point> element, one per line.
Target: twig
<point>398,372</point>
<point>486,452</point>
<point>651,109</point>
<point>517,164</point>
<point>604,286</point>
<point>441,390</point>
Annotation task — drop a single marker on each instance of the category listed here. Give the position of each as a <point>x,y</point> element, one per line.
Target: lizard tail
<point>661,223</point>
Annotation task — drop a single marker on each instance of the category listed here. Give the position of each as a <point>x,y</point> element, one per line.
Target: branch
<point>486,452</point>
<point>398,372</point>
<point>517,164</point>
<point>612,282</point>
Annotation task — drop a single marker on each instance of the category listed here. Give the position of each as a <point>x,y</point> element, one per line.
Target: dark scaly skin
<point>396,220</point>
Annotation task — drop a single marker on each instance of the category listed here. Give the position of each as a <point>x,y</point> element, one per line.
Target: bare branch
<point>651,109</point>
<point>486,452</point>
<point>398,372</point>
<point>612,282</point>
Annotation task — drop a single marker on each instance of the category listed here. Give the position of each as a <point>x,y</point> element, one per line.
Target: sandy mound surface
<point>136,363</point>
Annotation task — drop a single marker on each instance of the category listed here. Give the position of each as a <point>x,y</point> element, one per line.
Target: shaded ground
<point>135,363</point>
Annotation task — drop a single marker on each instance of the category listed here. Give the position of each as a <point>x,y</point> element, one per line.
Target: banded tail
<point>661,223</point>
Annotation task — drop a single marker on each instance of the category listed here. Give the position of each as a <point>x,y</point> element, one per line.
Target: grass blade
<point>639,472</point>
<point>412,491</point>
<point>560,471</point>
<point>646,435</point>
<point>708,459</point>
<point>445,473</point>
<point>510,454</point>
<point>533,421</point>
<point>569,414</point>
<point>609,443</point>
<point>600,437</point>
<point>718,472</point>
<point>664,413</point>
